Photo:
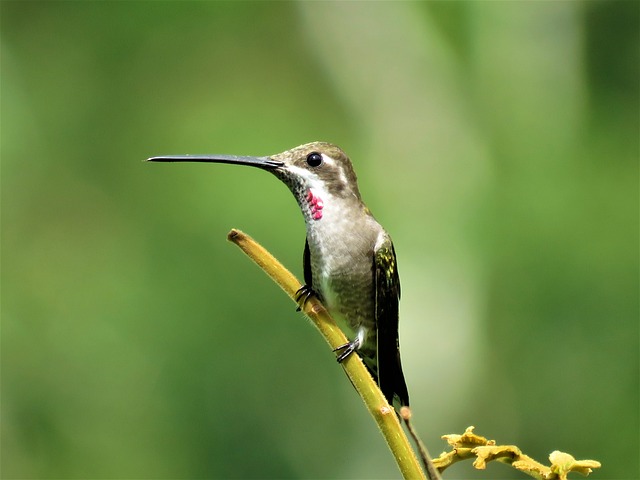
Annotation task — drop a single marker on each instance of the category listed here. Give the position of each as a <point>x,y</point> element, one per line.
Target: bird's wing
<point>387,295</point>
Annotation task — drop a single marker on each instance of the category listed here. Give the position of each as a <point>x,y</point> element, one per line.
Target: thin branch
<point>383,414</point>
<point>432,472</point>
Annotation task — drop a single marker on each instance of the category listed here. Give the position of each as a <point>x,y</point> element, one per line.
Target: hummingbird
<point>349,261</point>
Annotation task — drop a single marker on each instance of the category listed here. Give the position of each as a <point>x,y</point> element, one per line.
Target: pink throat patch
<point>315,204</point>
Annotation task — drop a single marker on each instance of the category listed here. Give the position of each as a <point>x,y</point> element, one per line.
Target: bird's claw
<point>346,350</point>
<point>302,296</point>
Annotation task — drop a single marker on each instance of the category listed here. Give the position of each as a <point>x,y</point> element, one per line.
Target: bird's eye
<point>314,159</point>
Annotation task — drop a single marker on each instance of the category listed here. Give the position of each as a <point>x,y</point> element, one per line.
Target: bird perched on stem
<point>349,260</point>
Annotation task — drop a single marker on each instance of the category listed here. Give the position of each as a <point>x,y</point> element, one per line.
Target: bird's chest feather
<point>341,257</point>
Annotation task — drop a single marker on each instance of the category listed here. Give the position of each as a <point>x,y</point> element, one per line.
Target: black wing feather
<point>387,288</point>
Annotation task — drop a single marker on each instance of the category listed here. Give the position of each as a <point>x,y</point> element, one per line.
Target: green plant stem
<point>383,414</point>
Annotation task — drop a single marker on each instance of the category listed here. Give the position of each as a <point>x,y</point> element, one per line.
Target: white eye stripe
<point>328,160</point>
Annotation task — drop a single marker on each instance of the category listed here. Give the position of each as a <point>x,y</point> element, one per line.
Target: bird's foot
<point>347,349</point>
<point>302,296</point>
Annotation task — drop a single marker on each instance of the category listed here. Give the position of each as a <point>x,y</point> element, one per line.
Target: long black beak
<point>265,163</point>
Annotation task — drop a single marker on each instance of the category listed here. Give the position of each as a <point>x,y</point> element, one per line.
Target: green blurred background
<point>496,141</point>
